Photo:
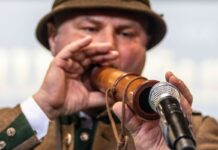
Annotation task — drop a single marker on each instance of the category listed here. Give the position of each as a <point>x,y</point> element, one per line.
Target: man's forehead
<point>106,19</point>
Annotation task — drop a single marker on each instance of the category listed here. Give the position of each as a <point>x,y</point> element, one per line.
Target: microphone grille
<point>161,90</point>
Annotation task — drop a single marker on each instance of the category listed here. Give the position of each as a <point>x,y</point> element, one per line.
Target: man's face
<point>125,34</point>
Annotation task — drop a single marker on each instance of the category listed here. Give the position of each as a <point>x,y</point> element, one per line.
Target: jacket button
<point>11,131</point>
<point>68,139</point>
<point>2,145</point>
<point>84,136</point>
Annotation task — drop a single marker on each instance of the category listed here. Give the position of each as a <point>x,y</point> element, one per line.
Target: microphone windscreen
<point>161,90</point>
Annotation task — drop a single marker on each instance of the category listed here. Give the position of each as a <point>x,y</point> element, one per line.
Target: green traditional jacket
<point>67,133</point>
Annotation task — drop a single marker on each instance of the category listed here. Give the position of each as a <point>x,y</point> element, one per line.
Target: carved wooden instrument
<point>134,88</point>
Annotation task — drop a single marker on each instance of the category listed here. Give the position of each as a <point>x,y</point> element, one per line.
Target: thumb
<point>132,122</point>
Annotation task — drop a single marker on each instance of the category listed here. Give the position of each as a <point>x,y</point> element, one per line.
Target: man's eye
<point>90,29</point>
<point>127,34</point>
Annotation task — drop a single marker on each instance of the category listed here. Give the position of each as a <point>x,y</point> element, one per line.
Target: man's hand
<point>147,134</point>
<point>63,91</point>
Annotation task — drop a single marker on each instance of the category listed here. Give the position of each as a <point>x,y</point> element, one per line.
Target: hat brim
<point>157,25</point>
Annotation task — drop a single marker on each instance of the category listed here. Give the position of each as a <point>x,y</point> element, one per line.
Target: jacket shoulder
<point>206,131</point>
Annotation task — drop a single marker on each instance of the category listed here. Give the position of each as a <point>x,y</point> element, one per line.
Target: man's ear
<point>52,33</point>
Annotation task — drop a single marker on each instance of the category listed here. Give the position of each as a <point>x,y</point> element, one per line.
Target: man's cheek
<point>126,61</point>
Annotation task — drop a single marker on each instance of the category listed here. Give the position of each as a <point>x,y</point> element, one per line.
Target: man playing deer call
<point>66,113</point>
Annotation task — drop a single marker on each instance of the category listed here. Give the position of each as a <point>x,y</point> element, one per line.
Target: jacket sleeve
<point>15,131</point>
<point>206,132</point>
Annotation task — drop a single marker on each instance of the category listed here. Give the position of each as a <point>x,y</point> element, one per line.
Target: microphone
<point>164,99</point>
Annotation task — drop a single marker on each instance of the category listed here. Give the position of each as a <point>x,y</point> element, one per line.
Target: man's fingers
<point>104,59</point>
<point>97,99</point>
<point>83,52</point>
<point>186,96</point>
<point>186,108</point>
<point>73,47</point>
<point>170,77</point>
<point>97,48</point>
<point>71,67</point>
<point>79,56</point>
<point>86,62</point>
<point>112,55</point>
<point>111,63</point>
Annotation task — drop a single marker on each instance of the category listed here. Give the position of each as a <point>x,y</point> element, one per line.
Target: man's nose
<point>108,36</point>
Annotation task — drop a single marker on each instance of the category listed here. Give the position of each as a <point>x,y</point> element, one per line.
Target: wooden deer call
<point>134,88</point>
